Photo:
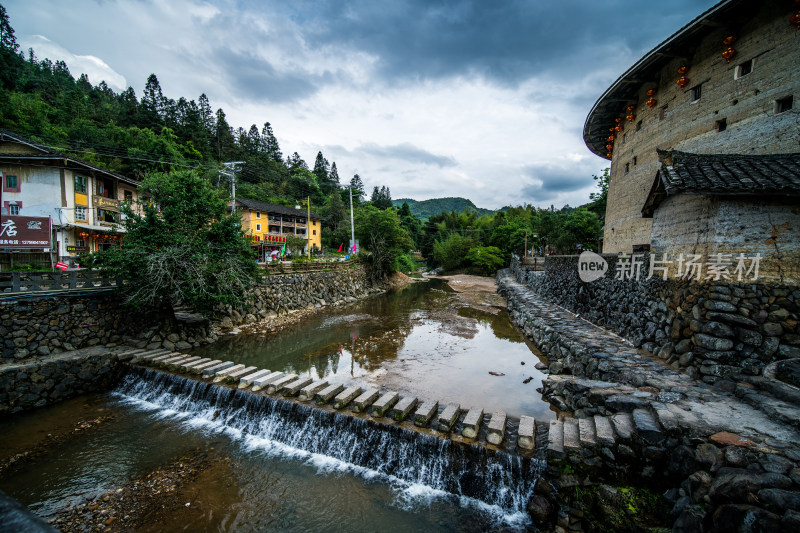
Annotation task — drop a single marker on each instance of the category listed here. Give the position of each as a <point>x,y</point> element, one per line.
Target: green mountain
<point>425,209</point>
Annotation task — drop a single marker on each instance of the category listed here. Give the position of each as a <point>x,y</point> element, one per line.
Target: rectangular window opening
<point>258,227</point>
<point>258,214</point>
<point>80,213</point>
<point>635,160</point>
<point>627,167</point>
<point>721,125</point>
<point>638,125</point>
<point>696,92</point>
<point>80,184</point>
<point>13,209</point>
<point>784,104</point>
<point>743,69</point>
<point>662,113</point>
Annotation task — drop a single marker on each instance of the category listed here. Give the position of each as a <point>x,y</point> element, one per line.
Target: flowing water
<point>295,467</point>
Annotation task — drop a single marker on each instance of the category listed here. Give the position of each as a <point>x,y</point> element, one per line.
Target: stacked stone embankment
<point>53,378</point>
<point>713,329</point>
<point>32,325</point>
<point>722,461</point>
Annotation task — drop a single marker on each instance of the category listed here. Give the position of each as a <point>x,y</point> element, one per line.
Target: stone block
<point>382,406</point>
<point>197,369</point>
<point>526,434</point>
<point>328,393</point>
<point>403,408</point>
<point>293,388</point>
<point>587,433</point>
<point>346,396</point>
<point>604,431</point>
<point>309,391</point>
<point>555,439</point>
<point>279,383</point>
<point>263,381</point>
<point>497,428</point>
<point>472,423</point>
<point>448,417</point>
<point>213,369</point>
<point>367,398</point>
<point>646,426</point>
<point>425,413</point>
<point>248,379</point>
<point>623,425</point>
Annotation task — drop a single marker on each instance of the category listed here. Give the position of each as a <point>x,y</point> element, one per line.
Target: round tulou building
<point>703,134</point>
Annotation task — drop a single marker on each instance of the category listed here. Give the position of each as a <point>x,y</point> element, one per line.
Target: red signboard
<point>25,232</point>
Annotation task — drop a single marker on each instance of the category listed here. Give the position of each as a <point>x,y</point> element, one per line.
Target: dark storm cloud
<point>550,182</point>
<point>253,77</point>
<point>406,152</point>
<point>506,41</point>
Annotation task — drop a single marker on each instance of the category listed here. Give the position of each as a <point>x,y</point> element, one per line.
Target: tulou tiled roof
<point>723,174</point>
<point>264,207</point>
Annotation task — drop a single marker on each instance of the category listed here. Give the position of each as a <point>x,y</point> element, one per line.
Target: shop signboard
<point>26,233</point>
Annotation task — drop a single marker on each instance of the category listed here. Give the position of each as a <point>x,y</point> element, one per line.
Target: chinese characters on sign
<point>718,267</point>
<point>25,232</point>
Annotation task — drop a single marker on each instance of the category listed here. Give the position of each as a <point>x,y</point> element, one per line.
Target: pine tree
<point>271,144</point>
<point>7,39</point>
<point>321,168</point>
<point>153,100</point>
<point>294,161</point>
<point>207,114</point>
<point>333,177</point>
<point>223,136</point>
<point>357,186</point>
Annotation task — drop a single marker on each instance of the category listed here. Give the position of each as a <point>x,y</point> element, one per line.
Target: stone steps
<point>443,418</point>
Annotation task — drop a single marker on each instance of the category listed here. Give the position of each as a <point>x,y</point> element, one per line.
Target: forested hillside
<point>136,134</point>
<point>424,209</point>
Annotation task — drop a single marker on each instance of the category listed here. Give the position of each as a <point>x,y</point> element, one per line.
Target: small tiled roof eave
<point>274,208</point>
<point>723,175</point>
<point>49,154</point>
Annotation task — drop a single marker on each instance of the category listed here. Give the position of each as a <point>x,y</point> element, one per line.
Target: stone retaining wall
<point>52,378</point>
<point>37,326</point>
<point>713,329</point>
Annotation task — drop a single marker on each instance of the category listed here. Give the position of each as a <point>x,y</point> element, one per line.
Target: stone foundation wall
<point>713,329</point>
<point>42,325</point>
<point>52,378</point>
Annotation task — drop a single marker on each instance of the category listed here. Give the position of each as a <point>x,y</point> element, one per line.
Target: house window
<point>624,137</point>
<point>638,125</point>
<point>10,183</point>
<point>315,232</point>
<point>635,160</point>
<point>80,184</point>
<point>696,92</point>
<point>743,69</point>
<point>258,227</point>
<point>662,113</point>
<point>627,167</point>
<point>258,214</point>
<point>784,104</point>
<point>722,125</point>
<point>128,195</point>
<point>80,213</point>
<point>13,208</point>
<point>80,242</point>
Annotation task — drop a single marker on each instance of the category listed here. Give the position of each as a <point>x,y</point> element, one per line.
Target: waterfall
<point>496,480</point>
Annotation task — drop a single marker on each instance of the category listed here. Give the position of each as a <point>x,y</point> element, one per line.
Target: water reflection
<point>422,340</point>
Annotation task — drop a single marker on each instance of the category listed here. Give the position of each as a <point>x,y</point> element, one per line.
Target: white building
<point>82,199</point>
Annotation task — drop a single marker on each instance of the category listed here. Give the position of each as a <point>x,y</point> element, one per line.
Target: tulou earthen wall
<point>676,122</point>
<point>713,329</point>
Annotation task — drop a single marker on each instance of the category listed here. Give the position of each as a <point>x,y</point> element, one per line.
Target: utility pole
<point>525,252</point>
<point>308,228</point>
<point>230,167</point>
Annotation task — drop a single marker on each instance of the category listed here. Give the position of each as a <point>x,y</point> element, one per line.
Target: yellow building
<point>269,224</point>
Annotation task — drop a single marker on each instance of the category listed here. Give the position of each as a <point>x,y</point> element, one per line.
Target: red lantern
<point>729,40</point>
<point>651,103</point>
<point>683,70</point>
<point>619,128</point>
<point>631,109</point>
<point>729,54</point>
<point>83,234</point>
<point>609,147</point>
<point>612,137</point>
<point>608,155</point>
<point>682,82</point>
<point>612,129</point>
<point>795,19</point>
<point>618,120</point>
<point>650,92</point>
<point>631,117</point>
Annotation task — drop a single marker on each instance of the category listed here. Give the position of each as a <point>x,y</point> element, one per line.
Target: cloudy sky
<point>483,99</point>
